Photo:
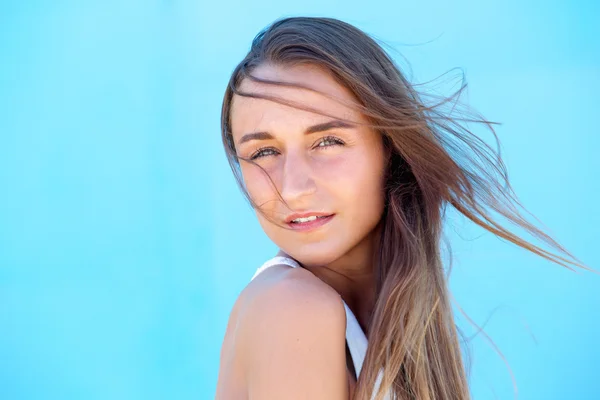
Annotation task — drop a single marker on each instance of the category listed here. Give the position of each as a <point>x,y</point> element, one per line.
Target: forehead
<point>248,113</point>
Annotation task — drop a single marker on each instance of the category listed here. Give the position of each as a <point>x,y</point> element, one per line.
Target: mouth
<point>308,221</point>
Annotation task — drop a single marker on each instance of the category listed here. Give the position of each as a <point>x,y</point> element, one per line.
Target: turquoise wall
<point>123,238</point>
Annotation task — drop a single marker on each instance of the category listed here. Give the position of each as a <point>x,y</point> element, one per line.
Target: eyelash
<point>335,142</point>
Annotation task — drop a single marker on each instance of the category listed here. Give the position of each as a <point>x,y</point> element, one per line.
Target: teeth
<point>307,219</point>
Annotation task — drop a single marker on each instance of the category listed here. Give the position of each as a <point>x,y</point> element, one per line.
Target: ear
<point>387,148</point>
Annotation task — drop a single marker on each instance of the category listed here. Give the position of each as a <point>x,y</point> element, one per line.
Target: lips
<point>308,221</point>
<point>300,218</point>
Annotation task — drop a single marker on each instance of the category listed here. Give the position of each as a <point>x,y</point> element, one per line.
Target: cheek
<point>357,177</point>
<point>259,186</point>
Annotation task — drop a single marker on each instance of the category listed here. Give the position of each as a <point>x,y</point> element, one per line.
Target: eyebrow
<point>325,126</point>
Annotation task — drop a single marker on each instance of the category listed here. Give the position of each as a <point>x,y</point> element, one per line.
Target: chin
<point>314,255</point>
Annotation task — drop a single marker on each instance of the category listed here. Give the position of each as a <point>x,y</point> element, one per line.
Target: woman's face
<point>329,173</point>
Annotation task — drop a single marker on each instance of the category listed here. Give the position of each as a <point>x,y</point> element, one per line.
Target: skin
<point>286,333</point>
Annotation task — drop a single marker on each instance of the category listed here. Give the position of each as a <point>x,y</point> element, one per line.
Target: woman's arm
<point>292,341</point>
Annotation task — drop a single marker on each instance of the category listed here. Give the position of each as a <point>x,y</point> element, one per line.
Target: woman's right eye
<point>264,152</point>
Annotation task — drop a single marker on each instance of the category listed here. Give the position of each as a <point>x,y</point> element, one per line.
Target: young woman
<point>350,173</point>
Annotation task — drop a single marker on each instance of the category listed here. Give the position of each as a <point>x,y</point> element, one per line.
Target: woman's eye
<point>269,151</point>
<point>263,153</point>
<point>329,141</point>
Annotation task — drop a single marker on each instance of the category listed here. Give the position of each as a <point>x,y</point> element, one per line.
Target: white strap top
<point>355,337</point>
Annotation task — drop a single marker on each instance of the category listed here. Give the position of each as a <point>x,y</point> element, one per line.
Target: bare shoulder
<point>291,337</point>
<point>294,296</point>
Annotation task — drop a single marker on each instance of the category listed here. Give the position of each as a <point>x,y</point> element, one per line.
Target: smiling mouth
<point>308,219</point>
<point>309,223</point>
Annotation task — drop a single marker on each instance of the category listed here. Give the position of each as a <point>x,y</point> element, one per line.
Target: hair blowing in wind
<point>433,161</point>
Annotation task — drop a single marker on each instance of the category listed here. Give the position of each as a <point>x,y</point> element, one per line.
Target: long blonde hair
<point>434,161</point>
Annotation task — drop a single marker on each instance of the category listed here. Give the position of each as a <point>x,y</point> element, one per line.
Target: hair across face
<point>305,163</point>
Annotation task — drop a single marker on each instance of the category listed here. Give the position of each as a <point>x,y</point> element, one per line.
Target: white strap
<point>278,260</point>
<point>357,341</point>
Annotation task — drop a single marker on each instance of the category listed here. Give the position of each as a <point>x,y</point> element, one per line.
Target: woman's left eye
<point>329,141</point>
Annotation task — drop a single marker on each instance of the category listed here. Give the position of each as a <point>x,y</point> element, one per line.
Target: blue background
<point>124,240</point>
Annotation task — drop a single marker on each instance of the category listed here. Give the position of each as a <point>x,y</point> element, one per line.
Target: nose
<point>297,180</point>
